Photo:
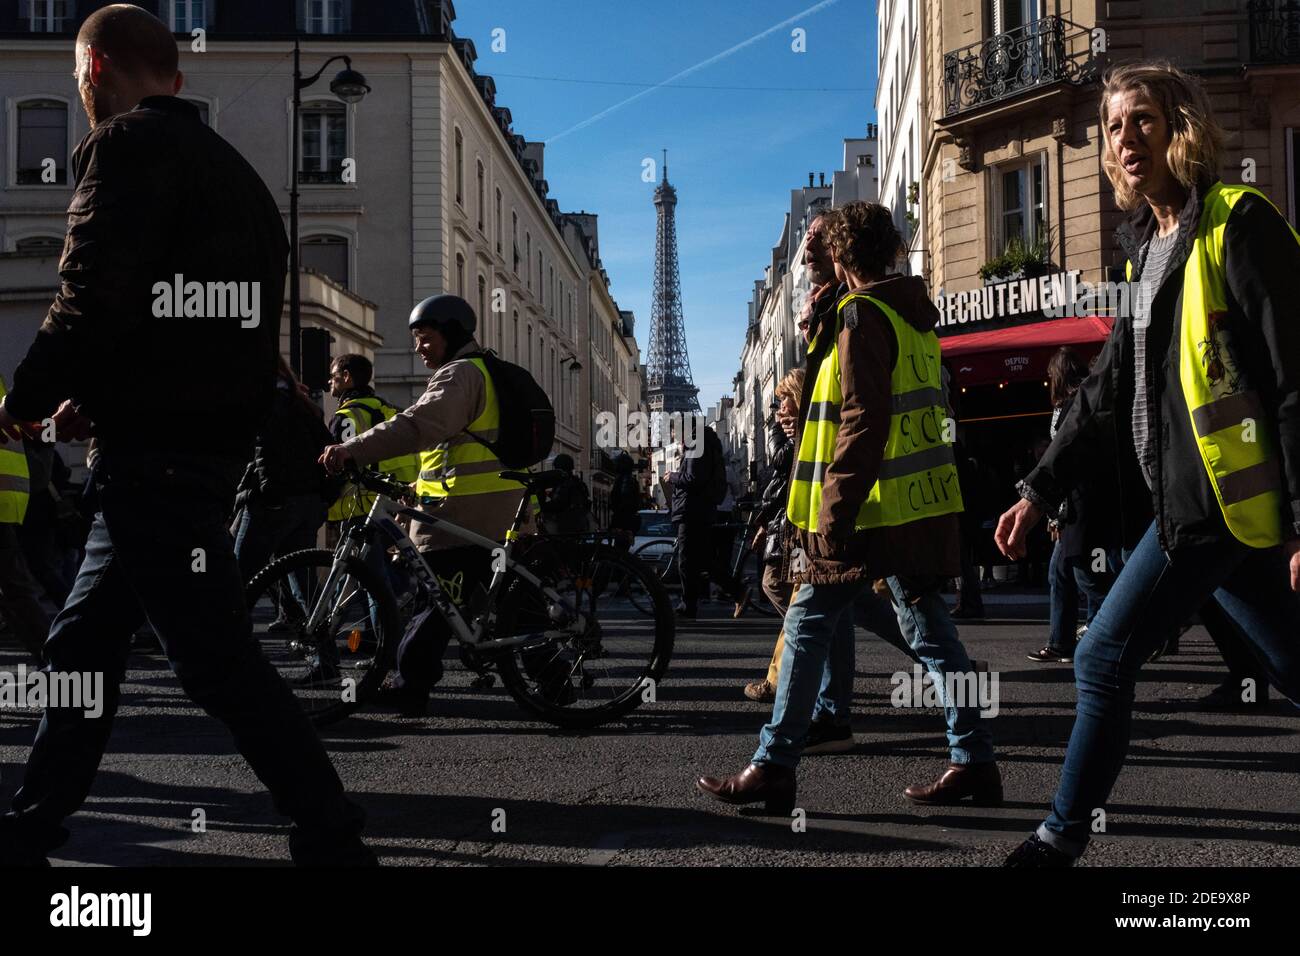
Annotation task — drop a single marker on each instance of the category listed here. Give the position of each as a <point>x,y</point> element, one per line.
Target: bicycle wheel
<point>608,659</point>
<point>339,666</point>
<point>660,558</point>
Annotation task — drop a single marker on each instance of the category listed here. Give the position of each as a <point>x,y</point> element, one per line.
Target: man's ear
<point>180,81</point>
<point>95,63</point>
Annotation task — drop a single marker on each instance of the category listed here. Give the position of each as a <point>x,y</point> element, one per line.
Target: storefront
<point>996,343</point>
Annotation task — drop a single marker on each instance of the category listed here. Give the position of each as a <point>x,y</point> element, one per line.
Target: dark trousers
<point>159,550</point>
<point>971,598</point>
<point>460,572</point>
<point>1238,653</point>
<point>19,595</point>
<point>52,562</point>
<point>694,556</point>
<point>263,532</point>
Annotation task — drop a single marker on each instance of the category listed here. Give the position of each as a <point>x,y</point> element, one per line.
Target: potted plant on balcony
<point>1019,260</point>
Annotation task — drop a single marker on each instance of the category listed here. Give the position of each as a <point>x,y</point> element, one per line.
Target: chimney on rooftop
<point>821,179</point>
<point>810,180</point>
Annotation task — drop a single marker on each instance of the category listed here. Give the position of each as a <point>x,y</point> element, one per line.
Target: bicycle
<point>661,555</point>
<point>550,623</point>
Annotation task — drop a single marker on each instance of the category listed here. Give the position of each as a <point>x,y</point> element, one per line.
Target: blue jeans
<point>819,629</point>
<point>263,532</point>
<point>1068,580</point>
<point>1154,593</point>
<point>154,512</point>
<point>835,697</point>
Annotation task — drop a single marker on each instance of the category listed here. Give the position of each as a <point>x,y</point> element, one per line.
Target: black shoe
<point>307,849</point>
<point>960,613</point>
<point>407,701</point>
<point>1052,655</point>
<point>1035,853</point>
<point>827,737</point>
<point>19,848</point>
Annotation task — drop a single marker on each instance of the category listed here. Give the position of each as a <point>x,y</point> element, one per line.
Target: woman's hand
<point>757,546</point>
<point>1292,551</point>
<point>1014,527</point>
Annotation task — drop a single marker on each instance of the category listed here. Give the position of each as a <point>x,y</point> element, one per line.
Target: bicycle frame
<point>382,517</point>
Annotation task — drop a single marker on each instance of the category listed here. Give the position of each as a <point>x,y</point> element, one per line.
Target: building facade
<point>1018,213</point>
<point>421,187</point>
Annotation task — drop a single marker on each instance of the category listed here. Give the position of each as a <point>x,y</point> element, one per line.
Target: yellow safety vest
<point>464,465</point>
<point>918,475</point>
<point>15,480</point>
<point>1234,431</point>
<point>403,468</point>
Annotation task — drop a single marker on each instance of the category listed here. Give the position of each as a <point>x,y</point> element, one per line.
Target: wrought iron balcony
<point>1040,53</point>
<point>1274,31</point>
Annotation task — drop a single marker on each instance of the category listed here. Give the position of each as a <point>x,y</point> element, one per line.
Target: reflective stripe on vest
<point>1236,435</point>
<point>918,475</point>
<point>15,484</point>
<point>403,468</point>
<point>463,465</point>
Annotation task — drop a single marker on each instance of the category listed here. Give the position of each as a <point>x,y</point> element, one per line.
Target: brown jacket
<point>453,398</point>
<point>867,352</point>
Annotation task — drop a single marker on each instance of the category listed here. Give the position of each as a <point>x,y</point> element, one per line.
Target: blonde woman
<point>1197,393</point>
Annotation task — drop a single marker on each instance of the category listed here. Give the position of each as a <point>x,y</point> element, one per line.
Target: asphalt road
<point>1199,789</point>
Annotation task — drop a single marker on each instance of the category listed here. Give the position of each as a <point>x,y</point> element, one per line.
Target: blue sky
<point>733,154</point>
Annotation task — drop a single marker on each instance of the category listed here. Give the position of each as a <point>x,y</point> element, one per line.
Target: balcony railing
<point>1045,51</point>
<point>1274,31</point>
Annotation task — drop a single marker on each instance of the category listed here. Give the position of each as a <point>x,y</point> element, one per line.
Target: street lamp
<point>574,364</point>
<point>349,86</point>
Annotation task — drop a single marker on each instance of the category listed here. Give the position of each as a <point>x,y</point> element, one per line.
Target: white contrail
<point>815,8</point>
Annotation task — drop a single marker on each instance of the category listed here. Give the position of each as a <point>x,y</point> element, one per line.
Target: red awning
<point>1020,352</point>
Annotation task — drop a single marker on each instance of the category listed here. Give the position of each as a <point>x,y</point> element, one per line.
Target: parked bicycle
<point>558,621</point>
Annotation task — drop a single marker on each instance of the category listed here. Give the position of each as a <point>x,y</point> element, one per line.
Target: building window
<point>42,135</point>
<point>324,142</point>
<point>48,16</point>
<point>39,246</point>
<point>327,255</point>
<point>482,304</point>
<point>530,366</point>
<point>187,15</point>
<point>498,221</point>
<point>482,186</point>
<point>1008,15</point>
<point>528,256</point>
<point>460,275</point>
<point>323,16</point>
<point>1022,208</point>
<point>514,238</point>
<point>501,341</point>
<point>514,338</point>
<point>460,168</point>
<point>541,279</point>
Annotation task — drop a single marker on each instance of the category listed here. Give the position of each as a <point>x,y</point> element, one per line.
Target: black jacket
<point>772,503</point>
<point>288,448</point>
<point>1262,266</point>
<point>1090,515</point>
<point>625,502</point>
<point>695,496</point>
<point>158,194</point>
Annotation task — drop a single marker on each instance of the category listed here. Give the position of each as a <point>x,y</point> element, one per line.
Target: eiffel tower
<point>668,373</point>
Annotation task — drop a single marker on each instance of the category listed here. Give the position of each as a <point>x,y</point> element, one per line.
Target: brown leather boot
<point>766,782</point>
<point>980,781</point>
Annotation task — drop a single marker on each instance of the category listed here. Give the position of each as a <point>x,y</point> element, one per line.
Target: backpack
<point>527,429</point>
